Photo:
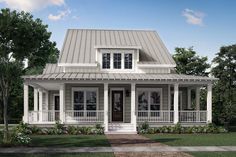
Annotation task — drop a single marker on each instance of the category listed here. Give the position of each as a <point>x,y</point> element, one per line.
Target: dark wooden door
<point>117,106</point>
<point>57,107</point>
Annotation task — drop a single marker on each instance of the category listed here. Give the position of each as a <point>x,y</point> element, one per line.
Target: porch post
<point>209,103</point>
<point>189,98</point>
<point>133,113</point>
<point>26,103</point>
<point>40,105</point>
<point>106,107</point>
<point>62,103</point>
<point>46,100</point>
<point>169,102</point>
<point>176,103</point>
<point>35,104</point>
<point>197,104</point>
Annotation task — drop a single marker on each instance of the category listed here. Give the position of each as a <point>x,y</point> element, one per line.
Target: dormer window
<point>128,60</point>
<point>117,60</point>
<point>113,60</point>
<point>106,57</point>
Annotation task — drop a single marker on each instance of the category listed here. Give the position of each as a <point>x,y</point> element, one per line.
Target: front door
<point>117,106</point>
<point>57,106</point>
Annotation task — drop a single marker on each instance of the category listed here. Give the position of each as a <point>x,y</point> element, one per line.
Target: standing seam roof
<point>79,45</point>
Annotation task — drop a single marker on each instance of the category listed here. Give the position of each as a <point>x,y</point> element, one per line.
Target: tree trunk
<point>5,104</point>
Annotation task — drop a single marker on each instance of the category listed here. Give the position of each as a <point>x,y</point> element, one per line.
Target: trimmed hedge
<point>178,129</point>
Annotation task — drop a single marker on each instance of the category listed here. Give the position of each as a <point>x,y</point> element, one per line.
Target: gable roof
<point>80,45</point>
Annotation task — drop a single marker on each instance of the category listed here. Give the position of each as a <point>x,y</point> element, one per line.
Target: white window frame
<point>74,89</point>
<point>149,90</point>
<point>122,52</point>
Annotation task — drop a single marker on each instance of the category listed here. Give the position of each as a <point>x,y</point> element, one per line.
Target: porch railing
<point>44,116</point>
<point>84,116</point>
<point>193,116</point>
<point>155,116</point>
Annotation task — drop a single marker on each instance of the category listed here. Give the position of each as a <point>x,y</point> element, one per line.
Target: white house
<point>118,78</point>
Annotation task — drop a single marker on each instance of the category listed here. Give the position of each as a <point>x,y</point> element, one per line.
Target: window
<point>128,61</point>
<point>117,60</point>
<point>149,100</point>
<point>106,60</point>
<point>85,100</point>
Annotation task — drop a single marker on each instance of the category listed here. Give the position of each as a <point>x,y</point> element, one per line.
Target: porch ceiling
<point>118,77</point>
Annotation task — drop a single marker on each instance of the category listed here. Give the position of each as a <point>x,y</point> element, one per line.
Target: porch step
<point>121,128</point>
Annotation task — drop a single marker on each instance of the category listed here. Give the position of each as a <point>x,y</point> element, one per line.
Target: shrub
<point>23,128</point>
<point>72,130</point>
<point>22,139</point>
<point>35,129</point>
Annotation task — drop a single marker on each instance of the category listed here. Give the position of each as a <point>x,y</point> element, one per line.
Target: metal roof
<point>117,76</point>
<point>52,68</point>
<point>80,45</point>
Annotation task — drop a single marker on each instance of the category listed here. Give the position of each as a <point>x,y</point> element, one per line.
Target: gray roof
<point>80,45</point>
<point>52,68</point>
<point>117,76</point>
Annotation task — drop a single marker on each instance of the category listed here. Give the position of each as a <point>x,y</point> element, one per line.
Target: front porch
<point>117,106</point>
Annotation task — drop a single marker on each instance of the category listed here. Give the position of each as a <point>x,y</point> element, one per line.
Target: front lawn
<point>223,139</point>
<point>69,141</point>
<point>213,154</point>
<point>60,155</point>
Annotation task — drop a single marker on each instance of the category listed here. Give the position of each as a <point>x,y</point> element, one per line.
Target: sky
<point>204,24</point>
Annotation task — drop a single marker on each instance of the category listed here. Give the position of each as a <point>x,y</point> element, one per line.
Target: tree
<point>22,39</point>
<point>224,101</point>
<point>189,63</point>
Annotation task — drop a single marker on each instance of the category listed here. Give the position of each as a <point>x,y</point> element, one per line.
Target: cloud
<point>59,16</point>
<point>31,5</point>
<point>193,17</point>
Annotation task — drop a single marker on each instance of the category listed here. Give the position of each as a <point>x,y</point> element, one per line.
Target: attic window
<point>106,60</point>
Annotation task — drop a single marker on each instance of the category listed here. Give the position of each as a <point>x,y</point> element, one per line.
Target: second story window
<point>128,61</point>
<point>106,60</point>
<point>117,60</point>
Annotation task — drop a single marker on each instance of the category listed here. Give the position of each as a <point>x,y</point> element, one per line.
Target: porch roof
<point>118,76</point>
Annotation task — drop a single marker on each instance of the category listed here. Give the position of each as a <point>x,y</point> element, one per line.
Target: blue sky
<point>204,24</point>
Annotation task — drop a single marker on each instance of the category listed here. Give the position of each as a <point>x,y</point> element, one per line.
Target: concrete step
<point>121,128</point>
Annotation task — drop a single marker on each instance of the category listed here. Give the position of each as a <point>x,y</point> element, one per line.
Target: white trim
<point>84,89</point>
<point>150,90</point>
<point>78,64</point>
<point>117,89</point>
<point>156,65</point>
<point>116,47</point>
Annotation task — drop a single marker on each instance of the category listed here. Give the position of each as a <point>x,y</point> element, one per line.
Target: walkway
<point>116,149</point>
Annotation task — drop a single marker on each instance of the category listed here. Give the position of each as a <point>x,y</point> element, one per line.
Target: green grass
<point>213,154</point>
<point>60,155</point>
<point>223,139</point>
<point>69,141</point>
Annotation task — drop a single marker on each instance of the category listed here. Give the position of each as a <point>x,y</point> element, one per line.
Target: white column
<point>26,103</point>
<point>106,107</point>
<point>62,103</point>
<point>169,102</point>
<point>209,103</point>
<point>198,103</point>
<point>197,98</point>
<point>176,103</point>
<point>35,104</point>
<point>133,110</point>
<point>40,105</point>
<point>189,98</point>
<point>46,100</point>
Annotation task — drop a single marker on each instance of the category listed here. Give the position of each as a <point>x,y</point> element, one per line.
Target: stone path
<point>139,146</point>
